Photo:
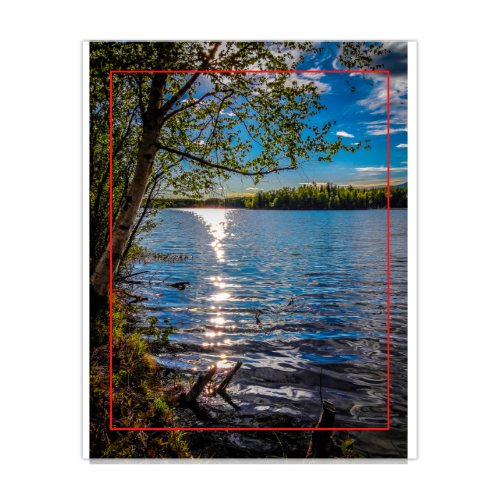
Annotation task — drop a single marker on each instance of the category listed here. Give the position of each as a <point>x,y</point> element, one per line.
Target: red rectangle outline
<point>111,268</point>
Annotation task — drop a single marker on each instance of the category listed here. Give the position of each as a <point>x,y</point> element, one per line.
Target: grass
<point>140,398</point>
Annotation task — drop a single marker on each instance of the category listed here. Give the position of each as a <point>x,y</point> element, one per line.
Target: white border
<point>412,250</point>
<point>85,239</point>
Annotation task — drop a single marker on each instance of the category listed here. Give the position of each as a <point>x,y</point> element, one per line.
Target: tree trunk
<point>321,441</point>
<point>153,119</point>
<point>109,261</point>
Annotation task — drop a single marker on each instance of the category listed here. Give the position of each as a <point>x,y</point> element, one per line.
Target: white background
<point>41,196</point>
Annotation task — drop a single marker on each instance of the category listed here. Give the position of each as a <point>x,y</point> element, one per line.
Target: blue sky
<point>359,115</point>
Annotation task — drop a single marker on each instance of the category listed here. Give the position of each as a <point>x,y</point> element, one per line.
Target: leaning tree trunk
<point>110,259</point>
<point>153,120</point>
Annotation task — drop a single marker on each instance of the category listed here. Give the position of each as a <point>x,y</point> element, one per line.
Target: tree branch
<point>127,133</point>
<point>180,110</point>
<point>146,206</point>
<point>168,105</point>
<point>185,154</point>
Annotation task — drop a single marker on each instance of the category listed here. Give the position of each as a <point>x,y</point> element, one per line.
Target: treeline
<point>233,202</point>
<point>314,197</point>
<point>328,197</point>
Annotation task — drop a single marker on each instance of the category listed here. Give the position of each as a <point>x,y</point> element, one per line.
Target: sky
<point>359,115</point>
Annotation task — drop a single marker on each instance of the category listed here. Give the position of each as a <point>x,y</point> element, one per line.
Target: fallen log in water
<point>227,379</point>
<point>322,444</point>
<point>189,399</point>
<point>227,398</point>
<point>137,298</point>
<point>197,389</point>
<point>180,285</point>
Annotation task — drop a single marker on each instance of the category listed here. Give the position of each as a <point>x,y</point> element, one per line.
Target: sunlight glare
<point>219,321</point>
<point>220,296</point>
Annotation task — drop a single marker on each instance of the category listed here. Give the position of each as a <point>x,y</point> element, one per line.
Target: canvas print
<point>248,250</point>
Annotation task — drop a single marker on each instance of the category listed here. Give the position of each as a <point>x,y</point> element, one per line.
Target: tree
<point>191,129</point>
<point>316,197</point>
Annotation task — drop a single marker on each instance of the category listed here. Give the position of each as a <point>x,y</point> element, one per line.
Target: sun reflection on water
<point>217,225</point>
<point>219,321</point>
<point>220,296</point>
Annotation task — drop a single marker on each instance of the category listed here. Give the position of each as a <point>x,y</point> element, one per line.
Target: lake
<point>301,298</point>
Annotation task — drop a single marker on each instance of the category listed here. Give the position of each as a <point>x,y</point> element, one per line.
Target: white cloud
<point>372,169</point>
<point>311,183</point>
<point>254,189</point>
<point>380,169</point>
<point>233,195</point>
<point>402,146</point>
<point>295,54</point>
<point>355,143</point>
<point>376,101</point>
<point>306,78</point>
<point>313,76</point>
<point>376,122</point>
<point>344,134</point>
<point>336,64</point>
<point>377,130</point>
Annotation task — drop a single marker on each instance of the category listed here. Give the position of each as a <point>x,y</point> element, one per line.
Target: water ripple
<point>293,294</point>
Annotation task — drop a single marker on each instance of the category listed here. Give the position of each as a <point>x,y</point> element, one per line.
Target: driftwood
<point>322,441</point>
<point>119,279</point>
<point>196,390</point>
<point>223,385</point>
<point>227,398</point>
<point>189,398</point>
<point>180,285</point>
<point>137,298</point>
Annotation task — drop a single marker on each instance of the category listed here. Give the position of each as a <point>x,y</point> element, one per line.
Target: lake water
<point>301,298</point>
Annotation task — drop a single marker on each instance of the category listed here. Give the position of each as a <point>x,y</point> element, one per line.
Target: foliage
<point>213,121</point>
<point>230,202</point>
<point>347,447</point>
<point>328,197</point>
<point>211,126</point>
<point>162,203</point>
<point>142,255</point>
<point>159,335</point>
<point>140,400</point>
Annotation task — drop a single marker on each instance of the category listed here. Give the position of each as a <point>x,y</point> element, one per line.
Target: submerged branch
<point>227,379</point>
<point>196,390</point>
<point>144,256</point>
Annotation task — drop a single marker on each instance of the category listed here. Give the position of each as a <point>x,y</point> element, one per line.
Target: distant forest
<point>313,197</point>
